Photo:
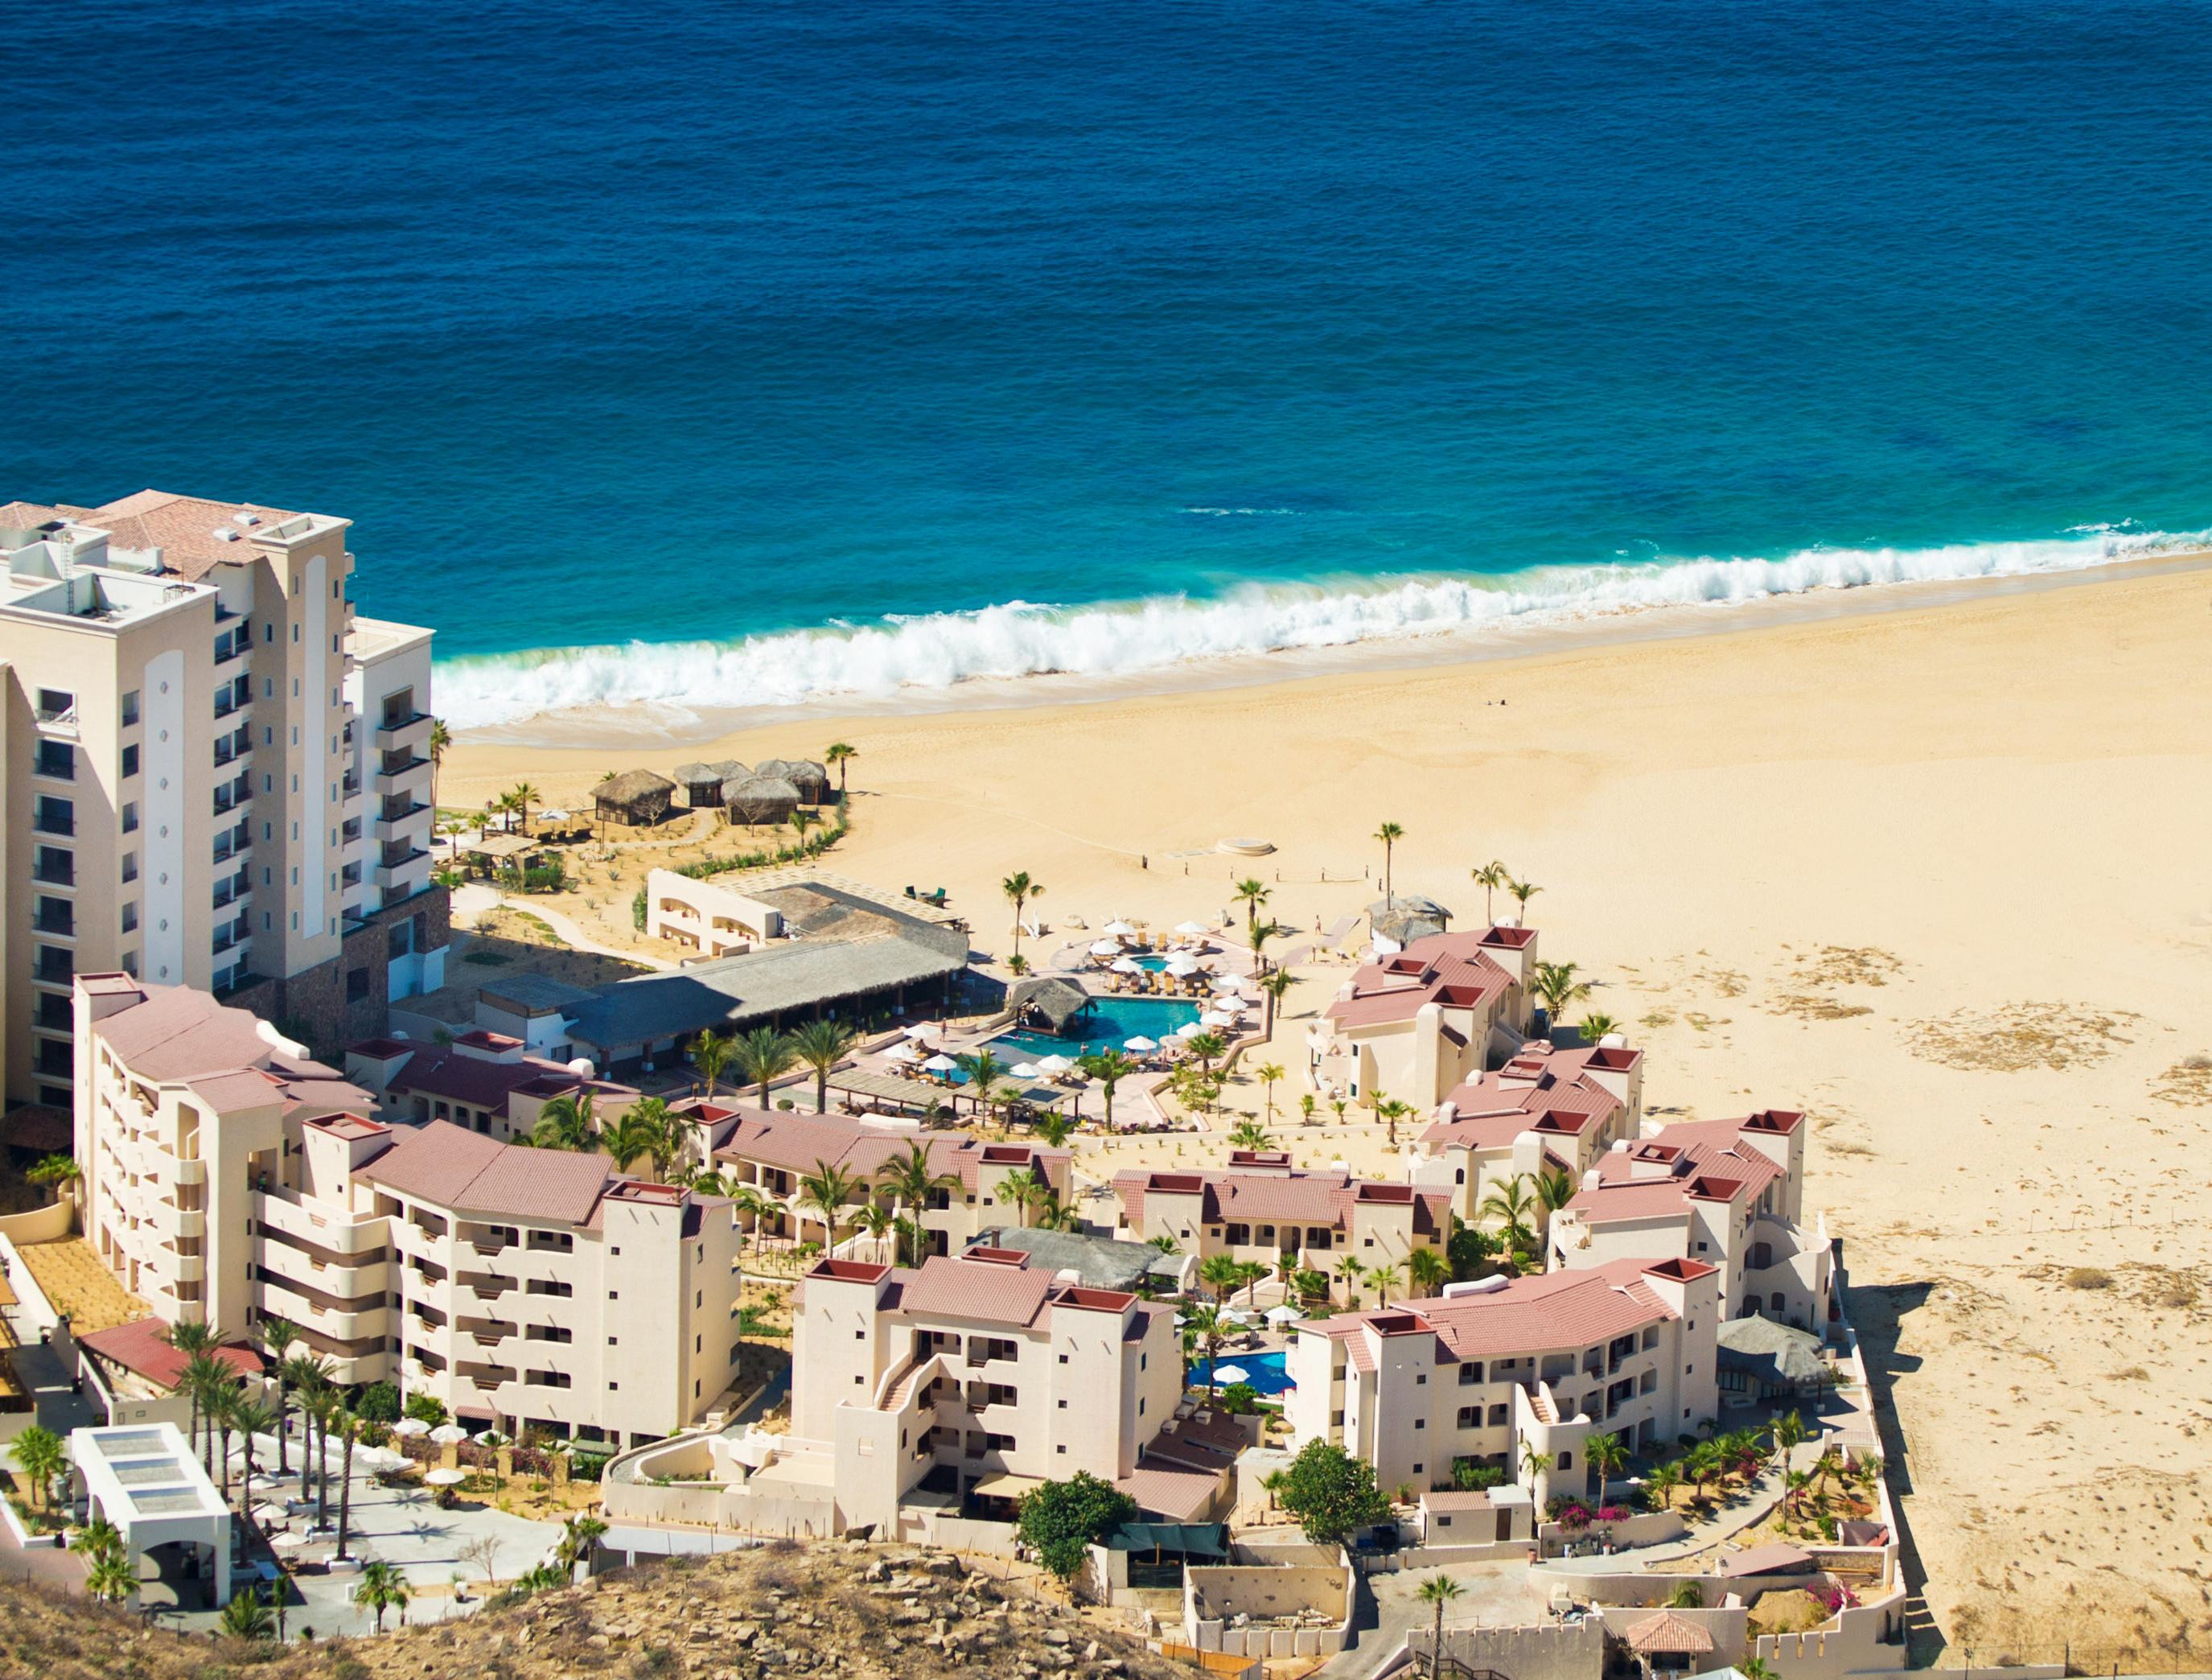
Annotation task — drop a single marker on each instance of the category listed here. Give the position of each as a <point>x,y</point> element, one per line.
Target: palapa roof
<point>1099,1263</point>
<point>694,772</point>
<point>1059,1002</point>
<point>1768,1348</point>
<point>632,786</point>
<point>760,792</point>
<point>728,768</point>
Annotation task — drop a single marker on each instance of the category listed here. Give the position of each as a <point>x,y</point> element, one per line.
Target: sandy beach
<point>1936,874</point>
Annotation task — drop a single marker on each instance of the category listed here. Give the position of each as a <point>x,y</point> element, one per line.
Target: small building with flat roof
<point>143,1479</point>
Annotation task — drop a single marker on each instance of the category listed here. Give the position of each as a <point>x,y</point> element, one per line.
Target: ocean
<point>756,355</point>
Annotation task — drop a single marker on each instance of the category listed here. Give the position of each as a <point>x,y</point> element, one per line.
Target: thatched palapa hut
<point>1406,916</point>
<point>1052,1003</point>
<point>702,782</point>
<point>812,779</point>
<point>639,798</point>
<point>761,798</point>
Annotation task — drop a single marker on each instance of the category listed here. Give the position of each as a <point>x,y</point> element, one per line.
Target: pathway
<point>475,899</point>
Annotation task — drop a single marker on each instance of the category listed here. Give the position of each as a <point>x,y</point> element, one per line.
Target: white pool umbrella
<point>445,1478</point>
<point>408,1428</point>
<point>1224,982</point>
<point>1105,948</point>
<point>1127,965</point>
<point>1055,1064</point>
<point>919,1030</point>
<point>1188,1030</point>
<point>449,1434</point>
<point>1282,1315</point>
<point>1189,928</point>
<point>940,1064</point>
<point>1231,1373</point>
<point>1216,1018</point>
<point>1180,967</point>
<point>1140,1042</point>
<point>1025,1070</point>
<point>1120,930</point>
<point>906,1052</point>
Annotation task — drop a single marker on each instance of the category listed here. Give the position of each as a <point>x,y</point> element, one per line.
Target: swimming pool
<point>1105,1023</point>
<point>1265,1373</point>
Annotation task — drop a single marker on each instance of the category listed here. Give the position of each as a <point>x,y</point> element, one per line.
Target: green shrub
<point>379,1404</point>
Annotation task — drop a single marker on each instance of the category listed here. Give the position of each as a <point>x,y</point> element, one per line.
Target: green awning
<point>1191,1539</point>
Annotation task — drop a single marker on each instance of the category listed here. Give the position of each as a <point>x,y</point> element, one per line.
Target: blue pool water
<point>807,347</point>
<point>1105,1024</point>
<point>1264,1372</point>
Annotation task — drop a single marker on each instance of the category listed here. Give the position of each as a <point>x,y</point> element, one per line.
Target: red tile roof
<point>797,1142</point>
<point>1655,1176</point>
<point>183,527</point>
<point>449,1167</point>
<point>231,1059</point>
<point>440,1071</point>
<point>986,1291</point>
<point>1452,969</point>
<point>1316,1198</point>
<point>1549,1093</point>
<point>1547,1312</point>
<point>143,1349</point>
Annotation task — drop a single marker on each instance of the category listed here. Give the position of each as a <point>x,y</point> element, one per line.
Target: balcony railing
<point>55,871</point>
<point>46,820</point>
<point>59,922</point>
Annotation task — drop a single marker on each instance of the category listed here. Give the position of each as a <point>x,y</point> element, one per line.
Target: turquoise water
<point>1106,1024</point>
<point>773,353</point>
<point>1265,1373</point>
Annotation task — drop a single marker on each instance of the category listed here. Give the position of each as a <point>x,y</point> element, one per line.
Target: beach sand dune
<point>1941,877</point>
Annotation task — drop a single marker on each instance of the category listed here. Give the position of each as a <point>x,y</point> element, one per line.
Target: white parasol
<point>1225,983</point>
<point>919,1030</point>
<point>940,1064</point>
<point>1120,930</point>
<point>1106,948</point>
<point>445,1478</point>
<point>1189,929</point>
<point>1282,1315</point>
<point>1181,967</point>
<point>449,1434</point>
<point>408,1428</point>
<point>1140,1042</point>
<point>1054,1064</point>
<point>1127,965</point>
<point>1026,1070</point>
<point>1231,1373</point>
<point>1188,1030</point>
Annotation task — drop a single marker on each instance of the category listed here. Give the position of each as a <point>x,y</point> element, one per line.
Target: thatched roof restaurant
<point>639,797</point>
<point>761,798</point>
<point>702,783</point>
<point>1054,1003</point>
<point>1406,916</point>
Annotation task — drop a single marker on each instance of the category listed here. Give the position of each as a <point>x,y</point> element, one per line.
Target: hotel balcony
<point>409,733</point>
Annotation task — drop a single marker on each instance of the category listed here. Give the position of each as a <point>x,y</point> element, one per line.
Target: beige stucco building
<point>189,785</point>
<point>1545,1361</point>
<point>1413,1024</point>
<point>1261,1208</point>
<point>227,1178</point>
<point>1543,1111</point>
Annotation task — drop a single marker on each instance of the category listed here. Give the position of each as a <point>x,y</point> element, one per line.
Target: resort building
<point>1416,1022</point>
<point>198,796</point>
<point>980,1376</point>
<point>229,1179</point>
<point>1261,1208</point>
<point>483,1082</point>
<point>1491,1368</point>
<point>773,1153</point>
<point>836,950</point>
<point>1544,1110</point>
<point>1727,1193</point>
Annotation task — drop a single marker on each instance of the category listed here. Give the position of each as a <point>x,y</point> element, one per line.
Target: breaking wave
<point>1018,638</point>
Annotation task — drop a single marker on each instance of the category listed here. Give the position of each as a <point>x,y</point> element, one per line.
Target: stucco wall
<point>41,1225</point>
<point>1571,1651</point>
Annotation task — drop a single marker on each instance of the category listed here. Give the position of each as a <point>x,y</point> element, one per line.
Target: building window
<point>131,818</point>
<point>356,984</point>
<point>130,918</point>
<point>129,708</point>
<point>1470,1374</point>
<point>130,867</point>
<point>57,759</point>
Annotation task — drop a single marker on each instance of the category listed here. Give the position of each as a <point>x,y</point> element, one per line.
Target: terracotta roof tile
<point>143,1349</point>
<point>988,1291</point>
<point>449,1167</point>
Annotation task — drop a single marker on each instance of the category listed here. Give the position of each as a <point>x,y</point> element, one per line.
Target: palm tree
<point>1427,1271</point>
<point>1110,1067</point>
<point>1204,1326</point>
<point>278,1338</point>
<point>40,1455</point>
<point>826,1190</point>
<point>246,1616</point>
<point>524,796</point>
<point>1267,1072</point>
<point>1521,892</point>
<point>629,1138</point>
<point>1509,1203</point>
<point>1389,834</point>
<point>1052,1128</point>
<point>710,1054</point>
<point>1251,894</point>
<point>506,805</point>
<point>348,1426</point>
<point>1534,1461</point>
<point>565,1123</point>
<point>1489,877</point>
<point>1251,1136</point>
<point>1338,1105</point>
<point>822,1045</point>
<point>1788,1429</point>
<point>1024,1190</point>
<point>763,1055</point>
<point>1350,1271</point>
<point>110,1579</point>
<point>1757,1668</point>
<point>1557,985</point>
<point>373,1591</point>
<point>1439,1591</point>
<point>1659,1486</point>
<point>985,1073</point>
<point>578,1536</point>
<point>1019,890</point>
<point>1598,1025</point>
<point>1222,1274</point>
<point>206,1378</point>
<point>1273,986</point>
<point>441,742</point>
<point>840,753</point>
<point>1607,1456</point>
<point>1053,1215</point>
<point>1555,1188</point>
<point>912,1180</point>
<point>665,1134</point>
<point>1205,1048</point>
<point>1383,1275</point>
<point>249,1418</point>
<point>878,1223</point>
<point>300,1374</point>
<point>1391,1110</point>
<point>1257,936</point>
<point>188,1340</point>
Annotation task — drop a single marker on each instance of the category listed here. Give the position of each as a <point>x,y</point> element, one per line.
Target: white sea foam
<point>1020,638</point>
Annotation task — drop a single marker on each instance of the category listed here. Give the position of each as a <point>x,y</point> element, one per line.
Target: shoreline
<point>606,726</point>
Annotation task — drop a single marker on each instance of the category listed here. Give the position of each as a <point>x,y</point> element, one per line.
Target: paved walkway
<point>474,899</point>
<point>1497,1595</point>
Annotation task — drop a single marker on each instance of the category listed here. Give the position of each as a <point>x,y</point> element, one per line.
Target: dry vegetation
<point>77,1284</point>
<point>844,1609</point>
<point>2020,1035</point>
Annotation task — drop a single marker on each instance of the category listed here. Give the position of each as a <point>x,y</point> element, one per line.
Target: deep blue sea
<point>858,343</point>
